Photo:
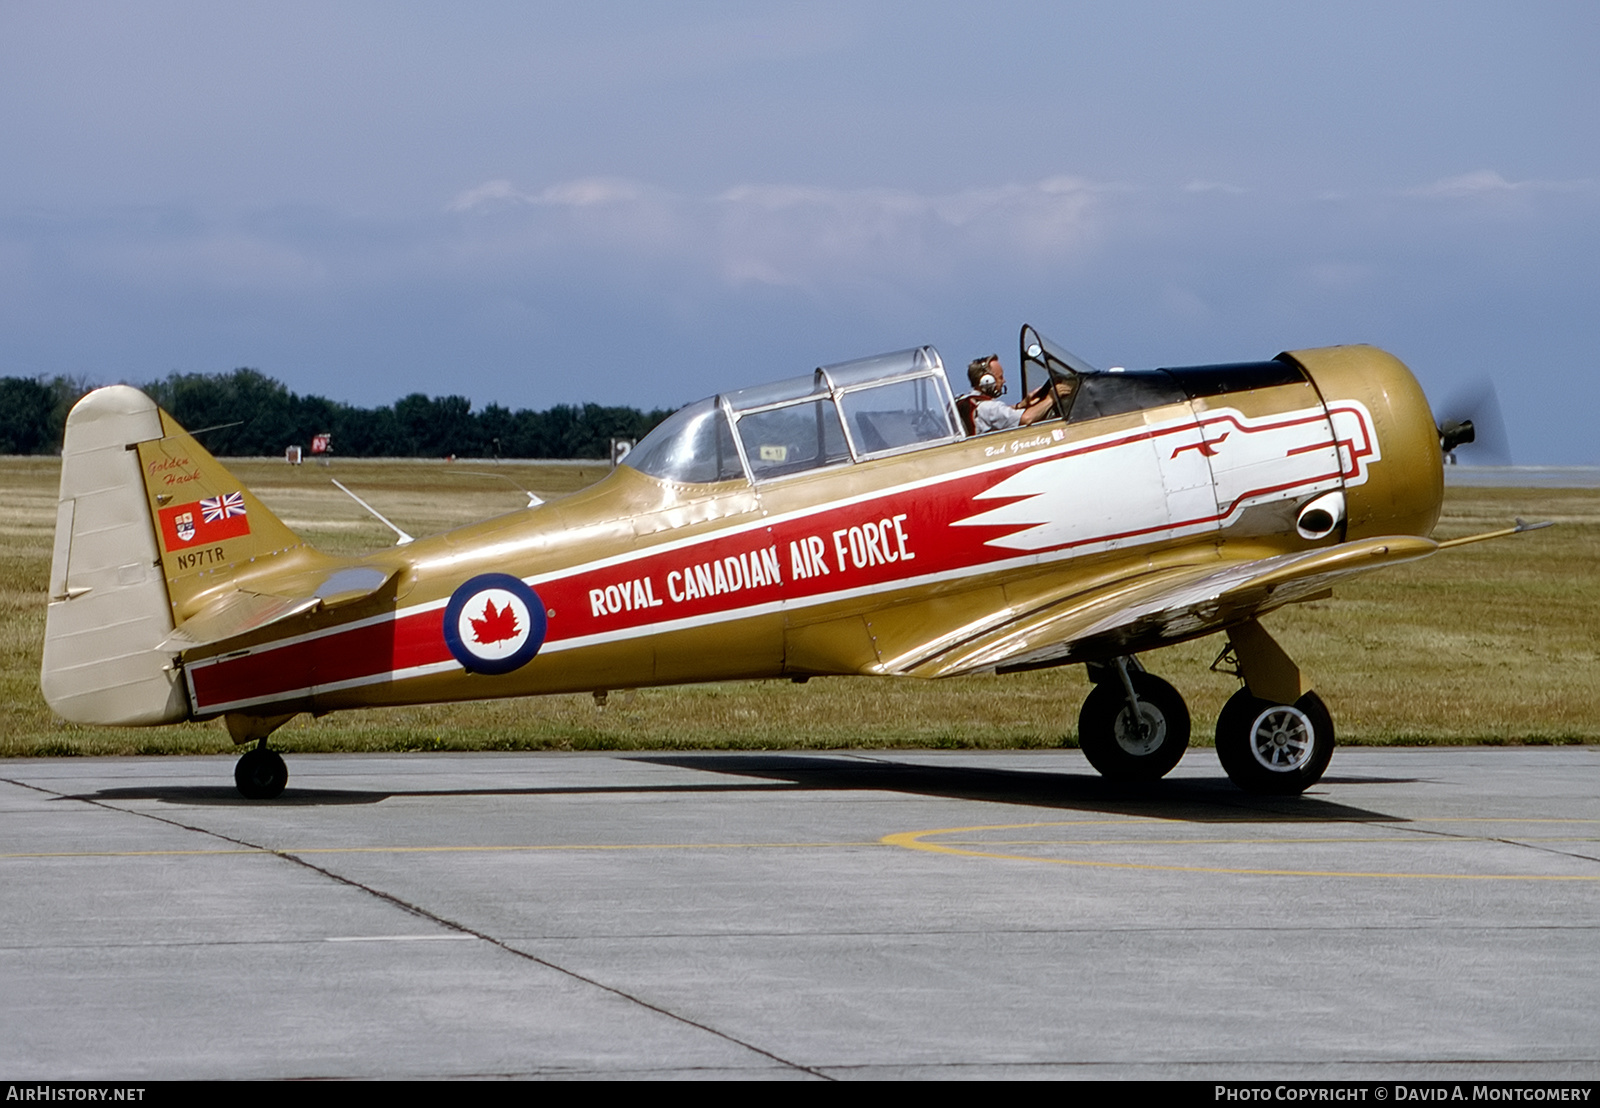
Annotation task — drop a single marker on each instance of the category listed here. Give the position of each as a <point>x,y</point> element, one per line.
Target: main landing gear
<point>1274,748</point>
<point>1133,726</point>
<point>1272,738</point>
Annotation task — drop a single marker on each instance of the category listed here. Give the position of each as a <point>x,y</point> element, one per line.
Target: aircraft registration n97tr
<point>848,521</point>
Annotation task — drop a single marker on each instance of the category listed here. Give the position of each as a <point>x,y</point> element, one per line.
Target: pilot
<point>989,413</point>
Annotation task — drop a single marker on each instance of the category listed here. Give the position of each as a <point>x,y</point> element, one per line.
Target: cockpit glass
<point>693,445</point>
<point>1085,393</point>
<point>1041,351</point>
<point>1050,370</point>
<point>897,415</point>
<point>857,410</point>
<point>793,438</point>
<point>778,392</point>
<point>901,363</point>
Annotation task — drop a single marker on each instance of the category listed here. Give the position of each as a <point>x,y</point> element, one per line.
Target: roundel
<point>494,624</point>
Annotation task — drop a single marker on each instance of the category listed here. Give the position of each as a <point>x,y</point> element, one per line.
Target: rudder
<point>109,611</point>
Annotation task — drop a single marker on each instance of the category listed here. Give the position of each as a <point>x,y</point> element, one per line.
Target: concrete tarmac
<point>1420,915</point>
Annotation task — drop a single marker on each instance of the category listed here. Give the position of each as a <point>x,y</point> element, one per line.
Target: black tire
<point>1118,750</point>
<point>260,774</point>
<point>1276,749</point>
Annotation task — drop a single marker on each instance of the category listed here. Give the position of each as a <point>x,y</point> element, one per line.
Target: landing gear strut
<point>1133,726</point>
<point>260,774</point>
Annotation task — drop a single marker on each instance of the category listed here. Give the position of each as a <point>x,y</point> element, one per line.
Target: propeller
<point>1470,418</point>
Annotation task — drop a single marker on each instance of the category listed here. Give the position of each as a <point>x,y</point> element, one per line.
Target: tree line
<point>248,413</point>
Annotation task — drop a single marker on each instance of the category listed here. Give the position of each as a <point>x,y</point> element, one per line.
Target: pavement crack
<point>1538,847</point>
<point>455,925</point>
<point>442,921</point>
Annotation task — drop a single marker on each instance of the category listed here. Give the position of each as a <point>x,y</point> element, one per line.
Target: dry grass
<point>1494,643</point>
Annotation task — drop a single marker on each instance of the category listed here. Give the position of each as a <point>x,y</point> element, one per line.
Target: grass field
<point>1494,643</point>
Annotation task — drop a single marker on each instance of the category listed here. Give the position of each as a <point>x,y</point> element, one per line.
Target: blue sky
<point>644,203</point>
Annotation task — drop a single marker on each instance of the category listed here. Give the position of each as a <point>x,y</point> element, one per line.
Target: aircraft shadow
<point>226,796</point>
<point>1205,800</point>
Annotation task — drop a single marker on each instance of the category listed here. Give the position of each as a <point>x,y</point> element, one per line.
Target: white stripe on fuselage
<point>1118,495</point>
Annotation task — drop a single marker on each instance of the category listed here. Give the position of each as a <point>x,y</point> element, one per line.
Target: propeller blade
<point>1470,421</point>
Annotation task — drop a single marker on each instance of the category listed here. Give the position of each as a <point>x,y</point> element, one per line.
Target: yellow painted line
<point>562,846</point>
<point>1494,819</point>
<point>131,853</point>
<point>889,840</point>
<point>914,840</point>
<point>437,849</point>
<point>1408,840</point>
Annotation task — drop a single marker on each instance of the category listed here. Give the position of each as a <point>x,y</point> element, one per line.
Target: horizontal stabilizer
<point>235,614</point>
<point>241,612</point>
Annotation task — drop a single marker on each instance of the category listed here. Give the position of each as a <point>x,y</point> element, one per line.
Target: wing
<point>1155,609</point>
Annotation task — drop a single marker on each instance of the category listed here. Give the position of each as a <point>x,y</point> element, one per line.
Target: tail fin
<point>211,530</point>
<point>150,528</point>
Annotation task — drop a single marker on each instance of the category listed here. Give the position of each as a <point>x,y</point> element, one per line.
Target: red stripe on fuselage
<point>876,542</point>
<point>292,668</point>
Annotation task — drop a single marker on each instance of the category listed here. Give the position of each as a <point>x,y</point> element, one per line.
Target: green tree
<point>26,408</point>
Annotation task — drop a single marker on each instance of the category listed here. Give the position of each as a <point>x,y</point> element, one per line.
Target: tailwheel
<point>1274,748</point>
<point>1125,747</point>
<point>260,774</point>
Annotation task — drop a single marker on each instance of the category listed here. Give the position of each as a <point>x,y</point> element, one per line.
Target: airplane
<point>846,521</point>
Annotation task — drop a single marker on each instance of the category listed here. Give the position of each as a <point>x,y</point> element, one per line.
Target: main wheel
<point>1274,748</point>
<point>1124,749</point>
<point>260,774</point>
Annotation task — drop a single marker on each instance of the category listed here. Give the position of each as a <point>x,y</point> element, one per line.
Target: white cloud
<point>582,193</point>
<point>1480,182</point>
<point>591,191</point>
<point>1488,183</point>
<point>796,236</point>
<point>488,195</point>
<point>1215,186</point>
<point>799,236</point>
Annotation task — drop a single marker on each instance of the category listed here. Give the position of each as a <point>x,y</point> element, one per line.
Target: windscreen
<point>693,445</point>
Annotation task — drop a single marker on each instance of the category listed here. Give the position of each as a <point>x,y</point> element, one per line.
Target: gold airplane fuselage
<point>1001,550</point>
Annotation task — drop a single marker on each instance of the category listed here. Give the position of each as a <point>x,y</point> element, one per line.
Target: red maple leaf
<point>497,625</point>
